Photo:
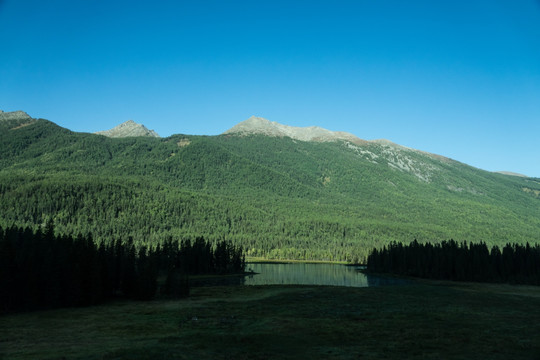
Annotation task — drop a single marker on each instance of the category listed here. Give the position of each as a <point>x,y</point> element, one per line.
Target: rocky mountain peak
<point>261,126</point>
<point>128,129</point>
<point>14,115</point>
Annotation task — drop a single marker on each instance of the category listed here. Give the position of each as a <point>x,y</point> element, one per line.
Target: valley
<point>332,198</point>
<point>269,180</point>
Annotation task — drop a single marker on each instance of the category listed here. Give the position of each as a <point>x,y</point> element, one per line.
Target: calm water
<point>313,274</point>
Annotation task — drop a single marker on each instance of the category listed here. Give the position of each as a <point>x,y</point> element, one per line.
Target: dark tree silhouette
<point>41,270</point>
<point>450,260</point>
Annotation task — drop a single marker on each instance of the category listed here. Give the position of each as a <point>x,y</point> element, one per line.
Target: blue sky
<point>456,78</point>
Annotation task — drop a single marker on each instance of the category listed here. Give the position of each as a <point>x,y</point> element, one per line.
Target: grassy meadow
<point>425,320</point>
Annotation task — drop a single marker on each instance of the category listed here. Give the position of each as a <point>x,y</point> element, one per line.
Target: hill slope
<point>277,196</point>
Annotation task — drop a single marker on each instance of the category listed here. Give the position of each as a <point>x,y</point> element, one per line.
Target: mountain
<point>128,129</point>
<point>260,126</point>
<point>258,185</point>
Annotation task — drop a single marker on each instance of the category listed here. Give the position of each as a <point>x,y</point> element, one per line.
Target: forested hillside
<point>275,196</point>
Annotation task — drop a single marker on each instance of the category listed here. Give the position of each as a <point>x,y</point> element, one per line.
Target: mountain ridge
<point>275,196</point>
<point>510,173</point>
<point>262,126</point>
<point>252,126</point>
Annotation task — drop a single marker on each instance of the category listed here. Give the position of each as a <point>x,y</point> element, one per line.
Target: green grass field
<point>426,320</point>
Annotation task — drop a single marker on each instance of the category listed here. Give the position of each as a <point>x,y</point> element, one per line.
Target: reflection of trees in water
<point>306,274</point>
<point>300,274</point>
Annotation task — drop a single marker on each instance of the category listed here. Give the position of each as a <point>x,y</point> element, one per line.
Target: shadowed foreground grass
<point>420,321</point>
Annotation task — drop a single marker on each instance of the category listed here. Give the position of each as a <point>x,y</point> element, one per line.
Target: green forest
<point>278,198</point>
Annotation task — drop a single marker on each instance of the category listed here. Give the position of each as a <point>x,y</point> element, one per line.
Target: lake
<point>313,274</point>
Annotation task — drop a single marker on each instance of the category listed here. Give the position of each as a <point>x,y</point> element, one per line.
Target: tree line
<point>41,270</point>
<point>463,261</point>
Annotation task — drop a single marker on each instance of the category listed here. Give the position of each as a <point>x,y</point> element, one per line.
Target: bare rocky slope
<point>128,129</point>
<point>258,125</point>
<point>14,115</point>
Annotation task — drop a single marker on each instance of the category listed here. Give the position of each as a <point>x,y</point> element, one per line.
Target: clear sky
<point>456,78</point>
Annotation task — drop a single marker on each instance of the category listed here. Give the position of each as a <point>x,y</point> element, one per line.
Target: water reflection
<point>313,274</point>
